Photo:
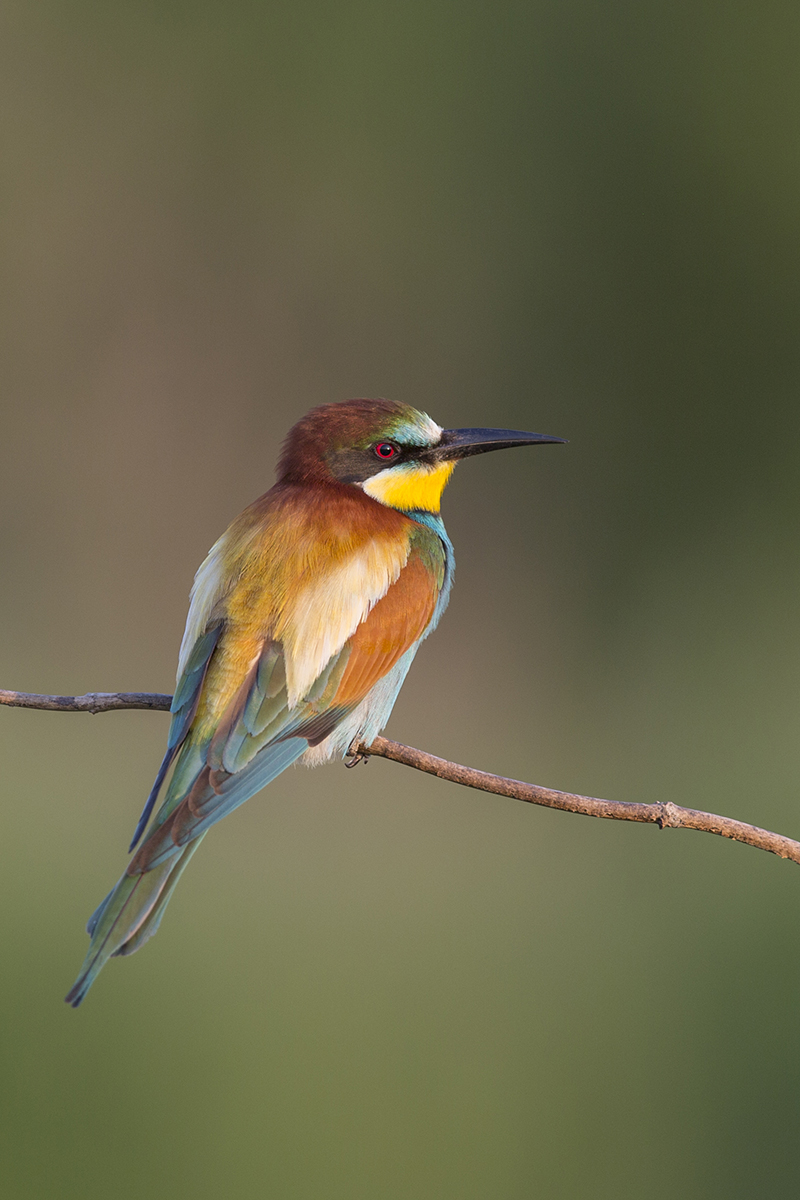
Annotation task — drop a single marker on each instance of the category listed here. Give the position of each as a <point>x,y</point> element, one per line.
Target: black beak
<point>463,443</point>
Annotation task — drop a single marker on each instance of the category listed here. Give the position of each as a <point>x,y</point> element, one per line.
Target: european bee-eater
<point>304,619</point>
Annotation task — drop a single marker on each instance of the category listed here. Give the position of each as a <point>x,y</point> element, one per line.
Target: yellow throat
<point>411,486</point>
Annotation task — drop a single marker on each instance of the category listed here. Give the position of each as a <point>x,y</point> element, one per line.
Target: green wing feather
<point>183,708</point>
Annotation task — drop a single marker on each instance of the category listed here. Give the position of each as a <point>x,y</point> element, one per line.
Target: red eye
<point>385,450</point>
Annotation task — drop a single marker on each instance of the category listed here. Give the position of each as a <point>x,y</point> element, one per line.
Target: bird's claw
<point>357,755</point>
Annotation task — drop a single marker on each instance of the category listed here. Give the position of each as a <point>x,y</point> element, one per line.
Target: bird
<point>303,621</point>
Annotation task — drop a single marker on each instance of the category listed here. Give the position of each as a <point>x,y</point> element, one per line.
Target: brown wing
<point>391,628</point>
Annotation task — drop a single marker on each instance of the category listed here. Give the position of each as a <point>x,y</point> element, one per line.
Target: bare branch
<point>666,816</point>
<point>92,702</point>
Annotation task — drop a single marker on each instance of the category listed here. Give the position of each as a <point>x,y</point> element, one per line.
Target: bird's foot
<point>357,755</point>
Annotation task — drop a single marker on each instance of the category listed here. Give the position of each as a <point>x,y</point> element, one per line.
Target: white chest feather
<point>328,609</point>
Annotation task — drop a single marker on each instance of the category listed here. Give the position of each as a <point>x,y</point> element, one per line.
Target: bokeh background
<point>563,215</point>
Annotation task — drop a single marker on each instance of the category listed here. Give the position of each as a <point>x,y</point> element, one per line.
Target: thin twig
<point>92,702</point>
<point>666,816</point>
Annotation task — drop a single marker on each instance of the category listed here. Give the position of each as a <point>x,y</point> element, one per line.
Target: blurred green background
<point>563,215</point>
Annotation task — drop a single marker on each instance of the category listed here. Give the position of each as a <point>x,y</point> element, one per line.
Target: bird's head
<point>393,452</point>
